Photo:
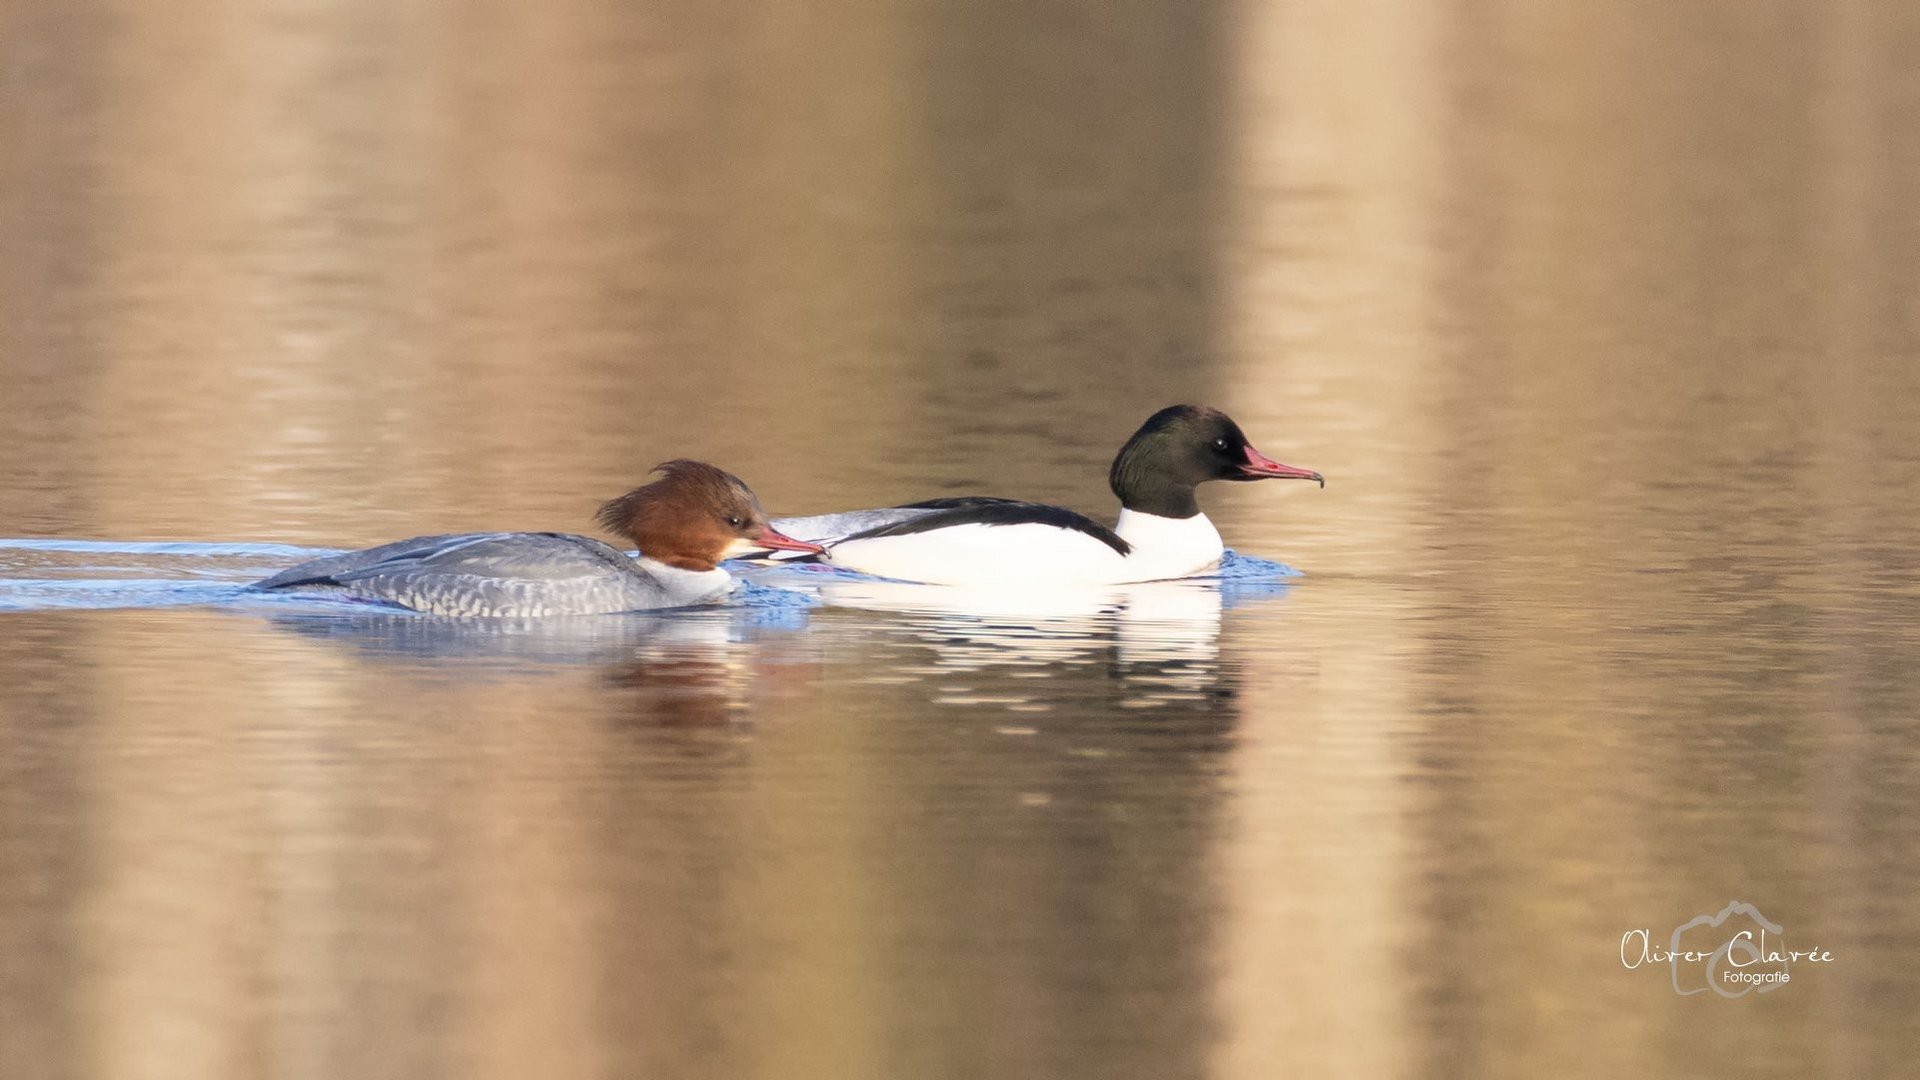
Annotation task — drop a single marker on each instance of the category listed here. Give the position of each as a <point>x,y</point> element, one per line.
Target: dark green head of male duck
<point>1181,447</point>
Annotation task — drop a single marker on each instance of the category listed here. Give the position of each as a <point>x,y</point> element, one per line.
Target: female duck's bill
<point>993,542</point>
<point>684,525</point>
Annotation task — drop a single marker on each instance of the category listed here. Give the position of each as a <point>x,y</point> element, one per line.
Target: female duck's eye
<point>735,521</point>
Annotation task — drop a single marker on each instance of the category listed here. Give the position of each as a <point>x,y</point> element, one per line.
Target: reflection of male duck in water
<point>1158,637</point>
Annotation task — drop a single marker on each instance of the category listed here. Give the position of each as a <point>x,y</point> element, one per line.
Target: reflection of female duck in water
<point>699,668</point>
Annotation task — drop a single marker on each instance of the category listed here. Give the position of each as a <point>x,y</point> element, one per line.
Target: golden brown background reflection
<point>1602,321</point>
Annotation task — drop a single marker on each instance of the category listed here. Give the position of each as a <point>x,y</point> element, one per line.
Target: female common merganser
<point>1161,533</point>
<point>683,523</point>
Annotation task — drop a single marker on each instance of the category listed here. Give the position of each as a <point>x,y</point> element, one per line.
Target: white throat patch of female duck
<point>685,587</point>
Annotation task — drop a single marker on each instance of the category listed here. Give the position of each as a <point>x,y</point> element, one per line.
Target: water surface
<point>1602,325</point>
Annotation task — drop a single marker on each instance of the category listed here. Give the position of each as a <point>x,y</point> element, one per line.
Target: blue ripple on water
<point>1237,567</point>
<point>754,595</point>
<point>103,582</point>
<point>170,547</point>
<point>38,594</point>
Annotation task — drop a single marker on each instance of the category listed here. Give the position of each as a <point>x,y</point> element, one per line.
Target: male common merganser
<point>1161,532</point>
<point>683,523</point>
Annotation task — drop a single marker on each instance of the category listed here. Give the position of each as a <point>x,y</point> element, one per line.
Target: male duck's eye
<point>1220,443</point>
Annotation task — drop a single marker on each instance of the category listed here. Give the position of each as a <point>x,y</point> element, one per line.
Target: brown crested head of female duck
<point>694,516</point>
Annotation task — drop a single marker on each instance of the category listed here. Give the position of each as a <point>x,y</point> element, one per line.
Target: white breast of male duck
<point>1168,547</point>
